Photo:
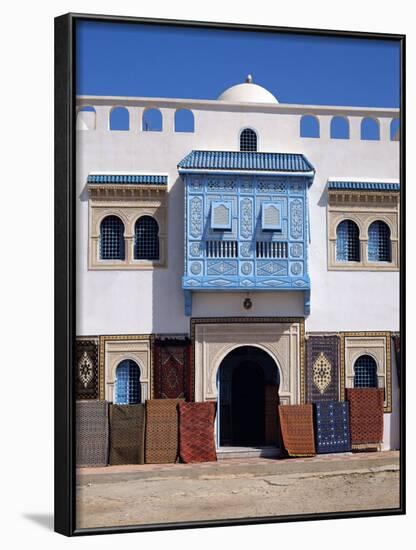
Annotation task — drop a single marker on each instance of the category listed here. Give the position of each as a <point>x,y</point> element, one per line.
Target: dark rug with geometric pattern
<point>332,428</point>
<point>296,424</point>
<point>127,430</point>
<point>161,431</point>
<point>366,417</point>
<point>91,433</point>
<point>196,432</point>
<point>322,367</point>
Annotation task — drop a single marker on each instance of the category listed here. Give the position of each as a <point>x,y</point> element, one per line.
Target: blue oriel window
<point>271,216</point>
<point>127,386</point>
<point>348,242</point>
<point>365,372</point>
<point>221,215</point>
<point>112,239</point>
<point>379,246</point>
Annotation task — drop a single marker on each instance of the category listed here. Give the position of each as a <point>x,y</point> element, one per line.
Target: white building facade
<point>228,245</point>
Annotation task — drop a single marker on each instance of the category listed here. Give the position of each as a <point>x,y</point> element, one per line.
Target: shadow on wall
<point>168,302</point>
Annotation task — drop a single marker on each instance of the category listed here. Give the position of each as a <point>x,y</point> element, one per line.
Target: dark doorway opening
<point>245,378</point>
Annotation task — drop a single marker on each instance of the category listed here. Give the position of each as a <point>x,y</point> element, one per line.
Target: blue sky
<point>163,61</point>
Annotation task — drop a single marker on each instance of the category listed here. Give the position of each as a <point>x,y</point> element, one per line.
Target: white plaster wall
<point>113,302</point>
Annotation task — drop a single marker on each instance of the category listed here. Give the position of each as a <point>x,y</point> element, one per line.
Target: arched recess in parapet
<point>370,129</point>
<point>395,129</point>
<point>119,119</point>
<point>340,128</point>
<point>86,118</point>
<point>309,126</point>
<point>152,120</point>
<point>184,121</point>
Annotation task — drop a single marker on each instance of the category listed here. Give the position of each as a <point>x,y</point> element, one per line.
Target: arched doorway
<point>243,379</point>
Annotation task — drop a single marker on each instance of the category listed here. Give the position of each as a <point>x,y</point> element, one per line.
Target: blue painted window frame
<point>365,372</point>
<point>379,243</point>
<point>268,226</point>
<point>226,204</point>
<point>127,388</point>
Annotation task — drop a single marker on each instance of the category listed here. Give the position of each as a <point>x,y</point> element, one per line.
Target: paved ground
<point>236,488</point>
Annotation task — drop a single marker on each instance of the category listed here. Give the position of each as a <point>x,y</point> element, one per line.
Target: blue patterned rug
<point>332,430</point>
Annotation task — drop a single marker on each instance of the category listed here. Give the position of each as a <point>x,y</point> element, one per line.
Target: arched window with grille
<point>348,242</point>
<point>146,243</point>
<point>112,239</point>
<point>379,246</point>
<point>365,372</point>
<point>127,384</point>
<point>248,140</point>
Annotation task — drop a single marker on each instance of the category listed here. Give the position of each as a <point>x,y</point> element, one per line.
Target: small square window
<point>221,215</point>
<point>271,216</point>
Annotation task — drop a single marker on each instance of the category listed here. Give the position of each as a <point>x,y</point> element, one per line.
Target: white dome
<point>248,92</point>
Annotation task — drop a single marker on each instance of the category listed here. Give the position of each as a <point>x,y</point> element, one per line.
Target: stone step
<point>224,453</point>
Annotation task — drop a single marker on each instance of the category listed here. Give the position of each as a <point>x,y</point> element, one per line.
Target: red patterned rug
<point>196,432</point>
<point>296,424</point>
<point>366,416</point>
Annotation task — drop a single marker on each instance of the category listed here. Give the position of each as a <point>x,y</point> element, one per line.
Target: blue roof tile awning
<point>131,179</point>
<point>362,186</point>
<point>253,161</point>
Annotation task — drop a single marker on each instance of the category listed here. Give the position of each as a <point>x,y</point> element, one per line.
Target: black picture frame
<point>65,266</point>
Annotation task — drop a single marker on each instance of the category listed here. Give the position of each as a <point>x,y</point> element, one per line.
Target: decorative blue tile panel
<point>246,230</point>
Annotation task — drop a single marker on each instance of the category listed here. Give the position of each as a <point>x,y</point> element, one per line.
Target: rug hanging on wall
<point>196,432</point>
<point>271,431</point>
<point>366,417</point>
<point>322,368</point>
<point>91,433</point>
<point>296,424</point>
<point>127,430</point>
<point>332,429</point>
<point>86,369</point>
<point>172,369</point>
<point>161,431</point>
<point>396,343</point>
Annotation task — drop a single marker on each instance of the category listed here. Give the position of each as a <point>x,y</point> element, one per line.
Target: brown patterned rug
<point>161,431</point>
<point>366,416</point>
<point>127,427</point>
<point>296,424</point>
<point>271,402</point>
<point>196,432</point>
<point>91,433</point>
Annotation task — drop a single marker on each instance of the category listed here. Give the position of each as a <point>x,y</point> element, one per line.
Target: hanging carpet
<point>332,430</point>
<point>366,416</point>
<point>271,400</point>
<point>91,433</point>
<point>196,432</point>
<point>296,424</point>
<point>161,431</point>
<point>127,430</point>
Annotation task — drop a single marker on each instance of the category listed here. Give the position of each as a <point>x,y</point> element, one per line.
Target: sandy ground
<point>222,493</point>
